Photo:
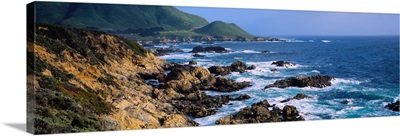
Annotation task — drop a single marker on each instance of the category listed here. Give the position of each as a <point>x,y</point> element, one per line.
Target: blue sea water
<point>366,71</point>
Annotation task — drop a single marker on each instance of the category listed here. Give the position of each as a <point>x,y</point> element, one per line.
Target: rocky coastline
<point>121,85</point>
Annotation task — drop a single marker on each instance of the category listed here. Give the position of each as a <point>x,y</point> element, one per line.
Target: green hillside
<point>115,16</point>
<point>224,29</point>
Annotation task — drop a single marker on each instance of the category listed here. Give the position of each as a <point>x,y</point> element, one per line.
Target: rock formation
<point>318,81</point>
<point>259,113</point>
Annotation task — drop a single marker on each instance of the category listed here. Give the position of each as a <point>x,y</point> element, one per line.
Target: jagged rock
<point>318,81</point>
<point>290,113</point>
<point>297,97</point>
<point>223,84</point>
<point>220,70</point>
<point>283,64</point>
<point>198,55</point>
<point>394,106</point>
<point>205,106</point>
<point>251,67</point>
<point>216,49</point>
<point>182,81</point>
<point>204,76</point>
<point>259,113</point>
<point>177,120</point>
<point>242,97</point>
<point>192,62</point>
<point>238,66</point>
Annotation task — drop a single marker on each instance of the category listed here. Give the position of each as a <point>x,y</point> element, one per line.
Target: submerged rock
<point>297,97</point>
<point>198,55</point>
<point>274,70</point>
<point>345,102</point>
<point>283,64</point>
<point>265,51</point>
<point>318,81</point>
<point>394,106</point>
<point>242,97</point>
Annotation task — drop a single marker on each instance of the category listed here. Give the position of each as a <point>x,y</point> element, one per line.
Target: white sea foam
<point>186,50</point>
<point>347,110</point>
<point>397,98</point>
<point>345,81</point>
<point>315,71</point>
<point>326,41</point>
<point>203,60</point>
<point>222,112</point>
<point>308,108</point>
<point>183,56</point>
<point>249,51</point>
<point>267,65</point>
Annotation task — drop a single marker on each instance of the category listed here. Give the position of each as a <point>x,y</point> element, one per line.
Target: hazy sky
<point>280,22</point>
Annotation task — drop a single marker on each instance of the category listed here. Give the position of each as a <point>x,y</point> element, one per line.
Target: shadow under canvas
<point>18,126</point>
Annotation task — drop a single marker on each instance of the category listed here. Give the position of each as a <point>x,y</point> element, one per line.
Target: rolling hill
<point>230,30</point>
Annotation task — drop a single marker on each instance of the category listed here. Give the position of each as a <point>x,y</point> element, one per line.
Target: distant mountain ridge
<point>116,16</point>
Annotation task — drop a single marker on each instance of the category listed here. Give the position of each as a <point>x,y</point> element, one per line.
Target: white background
<point>13,72</point>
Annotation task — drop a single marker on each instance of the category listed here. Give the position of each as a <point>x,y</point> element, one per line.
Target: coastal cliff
<point>89,81</point>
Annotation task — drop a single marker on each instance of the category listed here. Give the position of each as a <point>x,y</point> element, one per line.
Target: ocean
<point>366,71</point>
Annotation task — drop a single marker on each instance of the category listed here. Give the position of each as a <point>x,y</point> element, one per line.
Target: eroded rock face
<point>260,113</point>
<point>318,81</point>
<point>394,106</point>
